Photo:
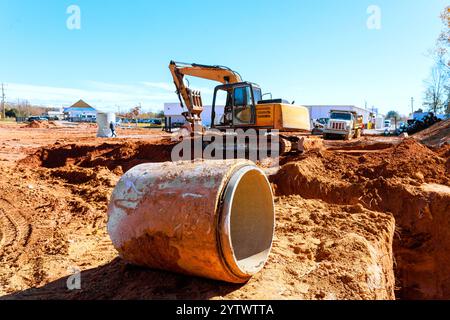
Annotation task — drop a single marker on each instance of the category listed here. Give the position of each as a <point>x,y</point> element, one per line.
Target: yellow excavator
<point>244,105</point>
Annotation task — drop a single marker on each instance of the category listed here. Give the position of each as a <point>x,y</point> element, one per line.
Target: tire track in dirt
<point>17,232</point>
<point>15,236</point>
<point>8,233</point>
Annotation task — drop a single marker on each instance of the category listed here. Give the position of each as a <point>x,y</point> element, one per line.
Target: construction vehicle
<point>244,107</point>
<point>345,124</point>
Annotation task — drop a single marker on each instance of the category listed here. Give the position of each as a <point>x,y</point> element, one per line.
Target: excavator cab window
<point>243,105</point>
<point>257,95</point>
<point>239,108</point>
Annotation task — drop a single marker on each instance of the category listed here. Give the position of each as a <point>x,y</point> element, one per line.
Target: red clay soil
<point>342,216</point>
<point>408,180</point>
<point>436,135</point>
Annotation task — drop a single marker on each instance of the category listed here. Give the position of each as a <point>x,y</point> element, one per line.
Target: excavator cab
<point>239,109</point>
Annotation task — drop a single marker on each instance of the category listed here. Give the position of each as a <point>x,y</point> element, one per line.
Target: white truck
<point>346,124</point>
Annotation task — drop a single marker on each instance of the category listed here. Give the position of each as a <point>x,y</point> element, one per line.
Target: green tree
<point>159,114</point>
<point>394,115</point>
<point>11,113</point>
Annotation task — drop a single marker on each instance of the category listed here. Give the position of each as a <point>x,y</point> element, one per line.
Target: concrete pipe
<point>213,219</point>
<point>103,121</point>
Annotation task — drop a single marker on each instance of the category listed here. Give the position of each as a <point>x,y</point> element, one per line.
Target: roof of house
<point>80,105</point>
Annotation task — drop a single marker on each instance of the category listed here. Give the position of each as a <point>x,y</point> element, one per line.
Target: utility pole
<point>412,106</point>
<point>3,102</point>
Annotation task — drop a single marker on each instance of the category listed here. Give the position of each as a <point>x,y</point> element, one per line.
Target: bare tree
<point>443,44</point>
<point>437,92</point>
<point>447,103</point>
<point>444,39</point>
<point>437,85</point>
<point>3,102</point>
<point>133,114</point>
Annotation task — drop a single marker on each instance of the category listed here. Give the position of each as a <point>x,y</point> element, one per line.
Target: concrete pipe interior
<point>247,221</point>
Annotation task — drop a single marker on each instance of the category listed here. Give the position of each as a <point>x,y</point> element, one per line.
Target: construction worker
<point>113,129</point>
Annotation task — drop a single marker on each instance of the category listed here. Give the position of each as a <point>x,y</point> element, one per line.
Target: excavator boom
<point>191,99</point>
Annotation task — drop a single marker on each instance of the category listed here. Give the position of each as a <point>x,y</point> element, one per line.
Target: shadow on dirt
<point>118,280</point>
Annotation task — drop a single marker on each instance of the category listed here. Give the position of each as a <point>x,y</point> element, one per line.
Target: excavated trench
<point>116,157</point>
<point>408,181</point>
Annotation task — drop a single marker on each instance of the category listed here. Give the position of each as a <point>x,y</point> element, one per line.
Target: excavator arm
<point>191,99</point>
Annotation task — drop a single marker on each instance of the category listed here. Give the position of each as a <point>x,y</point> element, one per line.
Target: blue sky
<point>313,52</point>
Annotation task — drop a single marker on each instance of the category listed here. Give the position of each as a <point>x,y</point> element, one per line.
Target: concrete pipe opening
<point>247,224</point>
<point>212,218</point>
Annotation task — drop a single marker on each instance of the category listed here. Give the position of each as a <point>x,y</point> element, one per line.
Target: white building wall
<point>80,113</point>
<point>379,122</point>
<point>317,112</point>
<point>174,110</point>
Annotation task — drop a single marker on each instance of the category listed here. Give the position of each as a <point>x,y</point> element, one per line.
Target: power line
<point>3,101</point>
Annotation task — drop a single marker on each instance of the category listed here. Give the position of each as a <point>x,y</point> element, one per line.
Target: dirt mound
<point>36,125</point>
<point>41,124</point>
<point>436,135</point>
<point>409,161</point>
<point>395,180</point>
<point>114,156</point>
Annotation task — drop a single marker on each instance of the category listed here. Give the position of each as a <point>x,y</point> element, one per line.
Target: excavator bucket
<point>196,100</point>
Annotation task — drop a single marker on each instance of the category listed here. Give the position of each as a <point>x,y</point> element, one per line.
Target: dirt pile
<point>407,180</point>
<point>35,125</point>
<point>435,136</point>
<point>41,125</point>
<point>323,174</point>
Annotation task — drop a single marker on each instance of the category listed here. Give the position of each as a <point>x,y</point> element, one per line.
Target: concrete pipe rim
<point>245,249</point>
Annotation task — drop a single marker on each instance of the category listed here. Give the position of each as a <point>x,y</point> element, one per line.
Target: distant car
<point>36,118</point>
<point>155,121</point>
<point>318,125</point>
<point>387,123</point>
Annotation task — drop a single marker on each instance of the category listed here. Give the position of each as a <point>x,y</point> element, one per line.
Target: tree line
<point>137,113</point>
<point>23,108</point>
